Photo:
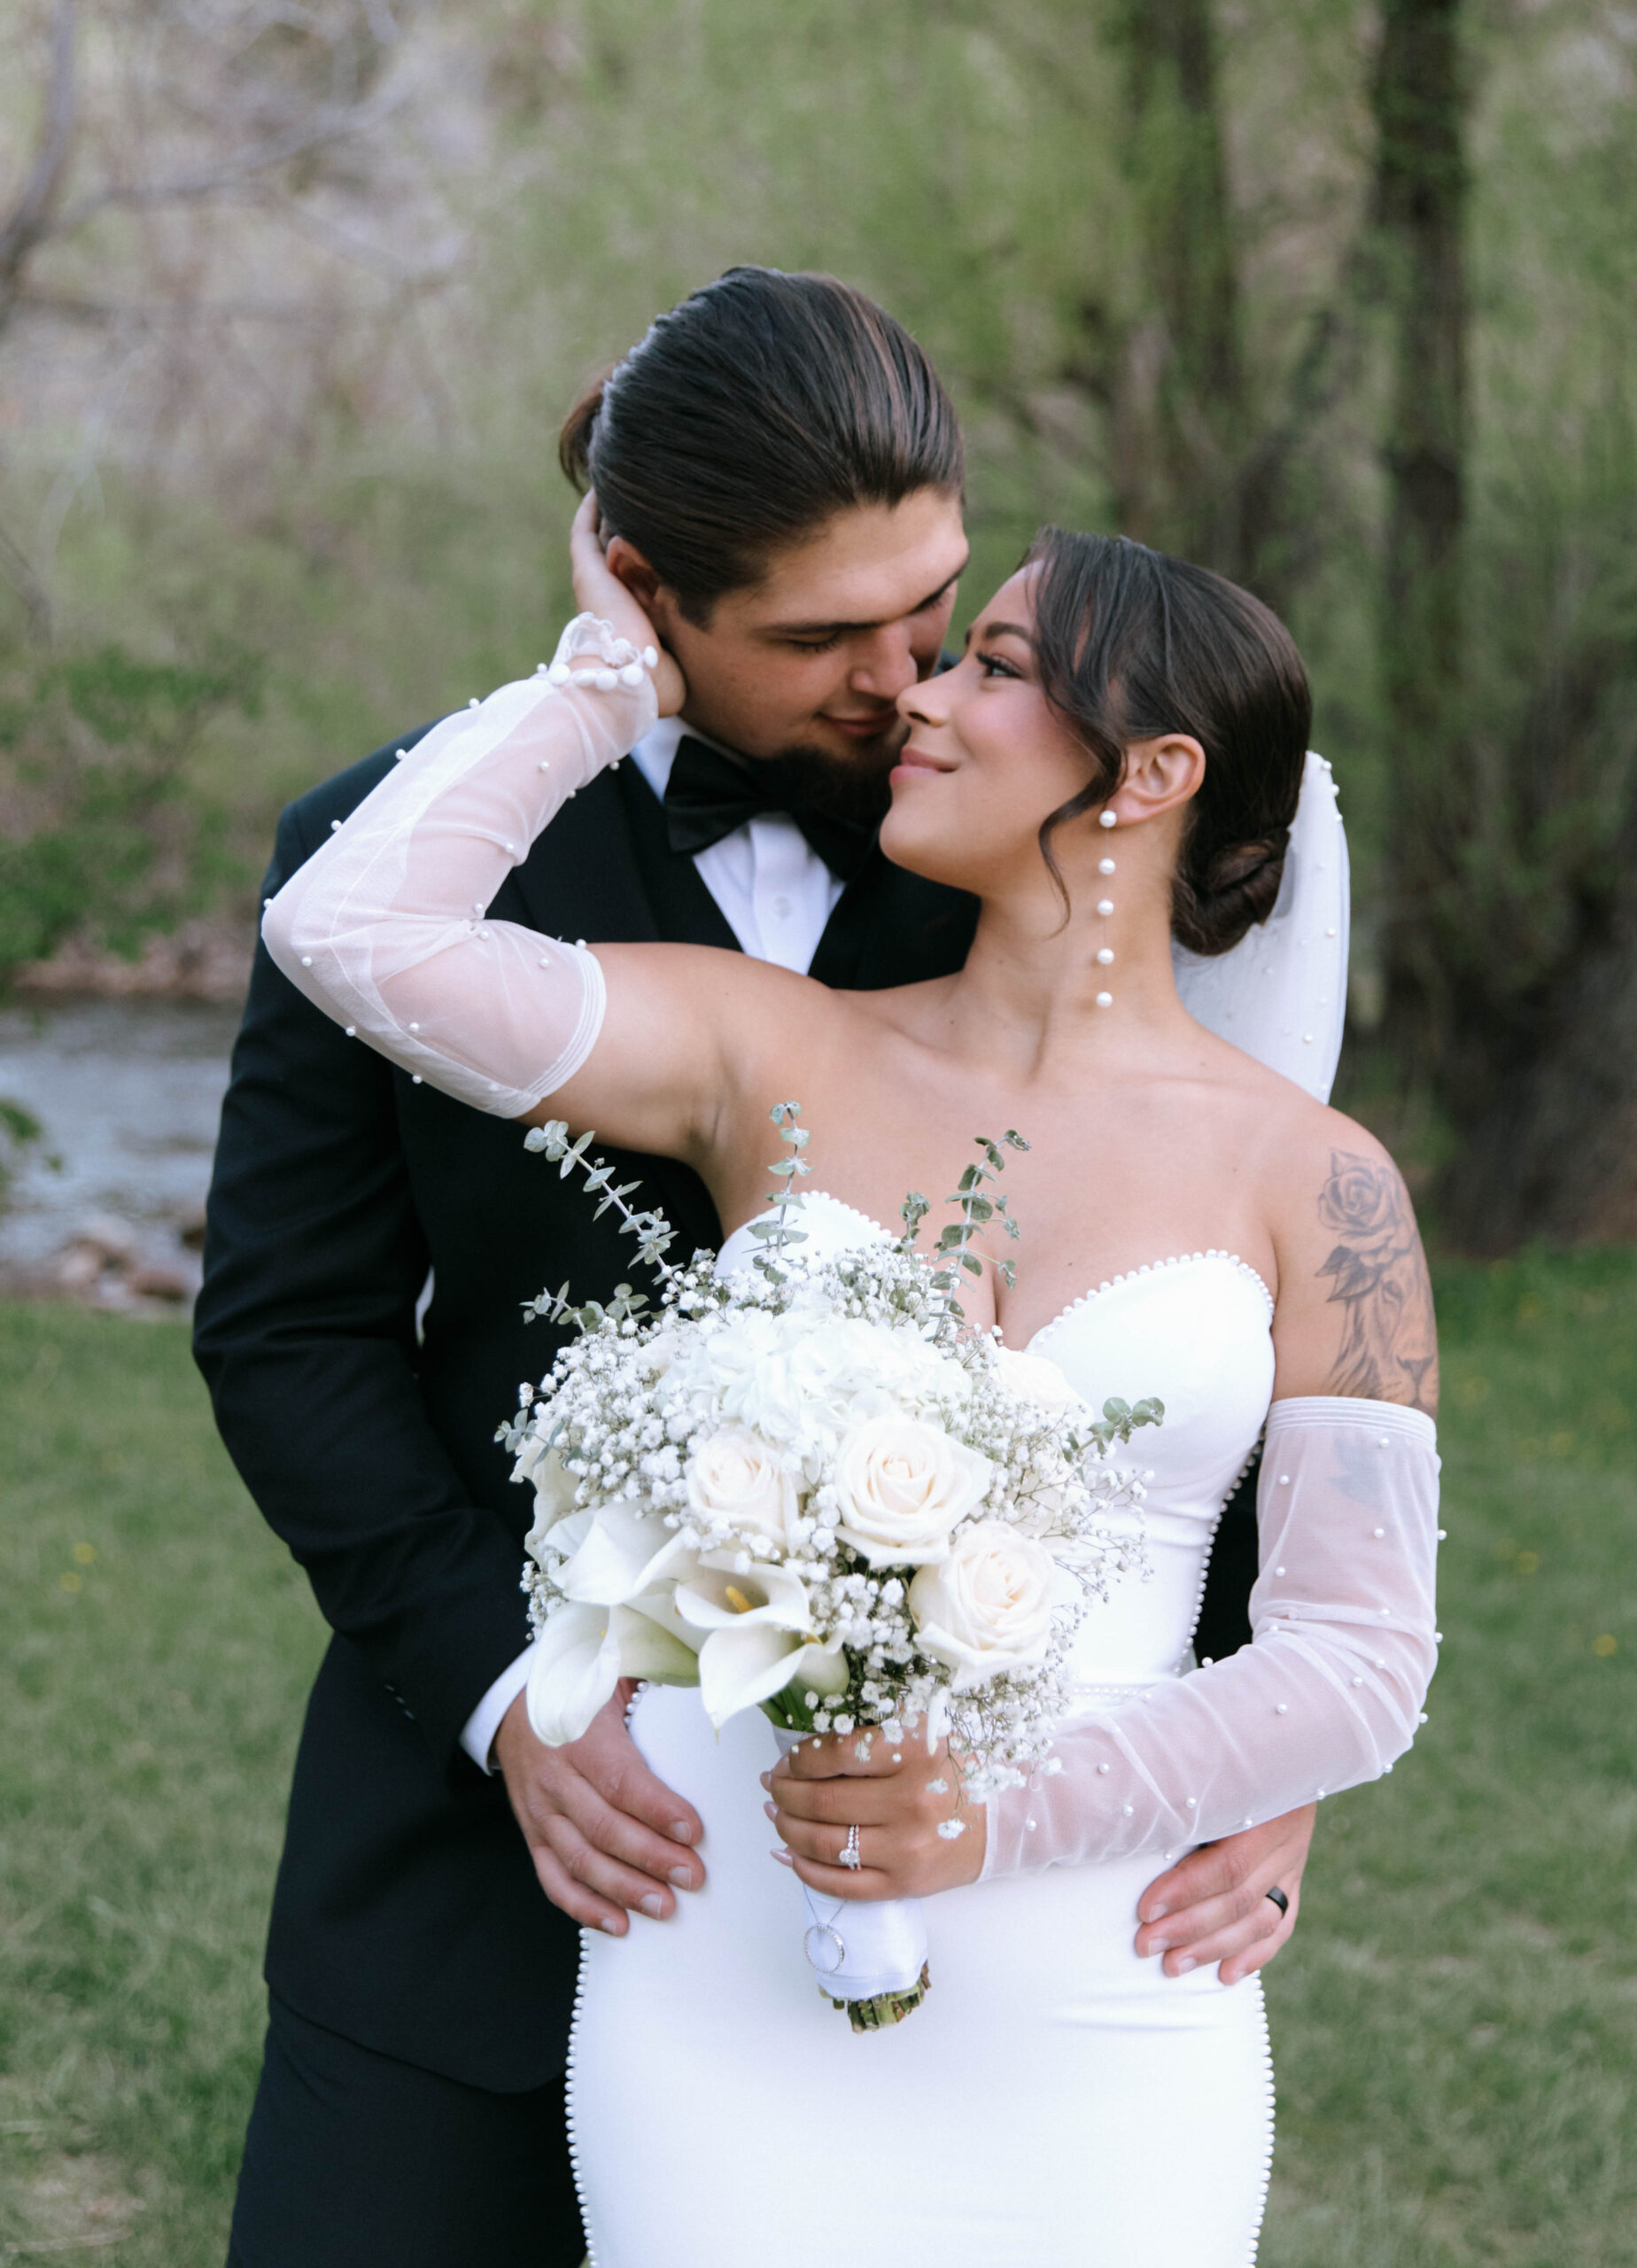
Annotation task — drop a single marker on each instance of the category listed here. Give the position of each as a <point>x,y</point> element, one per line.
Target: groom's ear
<point>627,563</point>
<point>658,601</point>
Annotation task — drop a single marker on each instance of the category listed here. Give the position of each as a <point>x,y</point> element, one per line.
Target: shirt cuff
<point>477,1734</point>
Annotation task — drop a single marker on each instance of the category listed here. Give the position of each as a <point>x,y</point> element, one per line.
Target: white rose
<point>735,1475</point>
<point>988,1606</point>
<point>901,1487</point>
<point>1035,1378</point>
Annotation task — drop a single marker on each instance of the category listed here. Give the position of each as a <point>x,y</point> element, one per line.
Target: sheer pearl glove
<point>1328,1694</point>
<point>386,928</point>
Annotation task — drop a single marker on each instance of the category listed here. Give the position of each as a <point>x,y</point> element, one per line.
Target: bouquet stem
<point>870,1959</point>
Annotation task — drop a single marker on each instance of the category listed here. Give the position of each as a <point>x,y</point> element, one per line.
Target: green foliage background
<point>392,540</point>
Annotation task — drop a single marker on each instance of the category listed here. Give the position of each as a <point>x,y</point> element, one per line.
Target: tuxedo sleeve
<point>305,1336</point>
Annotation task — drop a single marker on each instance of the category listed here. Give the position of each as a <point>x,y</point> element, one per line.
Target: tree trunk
<point>1531,1049</point>
<point>1541,1068</point>
<point>26,225</point>
<point>1420,207</point>
<point>1176,385</point>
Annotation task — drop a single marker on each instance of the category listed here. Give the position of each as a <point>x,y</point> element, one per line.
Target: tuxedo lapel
<point>604,870</point>
<point>685,913</point>
<point>890,927</point>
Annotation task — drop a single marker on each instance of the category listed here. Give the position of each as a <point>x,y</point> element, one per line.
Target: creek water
<point>127,1095</point>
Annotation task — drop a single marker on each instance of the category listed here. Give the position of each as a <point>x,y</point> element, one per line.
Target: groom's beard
<point>854,789</point>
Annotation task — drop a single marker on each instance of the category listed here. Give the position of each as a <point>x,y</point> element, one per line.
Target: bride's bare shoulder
<point>1356,1299</point>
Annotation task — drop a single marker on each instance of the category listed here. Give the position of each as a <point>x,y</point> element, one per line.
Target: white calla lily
<point>624,1554</point>
<point>581,1655</point>
<point>554,1490</point>
<point>757,1622</point>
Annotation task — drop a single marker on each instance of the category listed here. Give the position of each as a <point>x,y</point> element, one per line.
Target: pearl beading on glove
<point>1330,1692</point>
<point>617,661</point>
<point>387,927</point>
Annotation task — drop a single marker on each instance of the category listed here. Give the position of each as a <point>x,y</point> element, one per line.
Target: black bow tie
<point>709,795</point>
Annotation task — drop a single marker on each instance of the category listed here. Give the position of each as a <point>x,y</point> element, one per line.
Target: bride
<point>1115,762</point>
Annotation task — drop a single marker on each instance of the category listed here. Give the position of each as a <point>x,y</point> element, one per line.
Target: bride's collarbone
<point>1107,1186</point>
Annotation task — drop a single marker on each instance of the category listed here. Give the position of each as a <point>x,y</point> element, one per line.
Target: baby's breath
<point>629,1399</point>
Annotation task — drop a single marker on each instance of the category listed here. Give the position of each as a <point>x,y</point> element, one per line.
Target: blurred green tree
<point>1336,298</point>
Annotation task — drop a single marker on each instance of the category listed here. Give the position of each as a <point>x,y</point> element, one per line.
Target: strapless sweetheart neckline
<point>1073,1307</point>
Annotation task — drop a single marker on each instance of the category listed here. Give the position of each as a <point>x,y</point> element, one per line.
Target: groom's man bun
<point>1132,644</point>
<point>749,416</point>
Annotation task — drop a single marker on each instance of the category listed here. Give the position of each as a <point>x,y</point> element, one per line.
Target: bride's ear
<point>1160,775</point>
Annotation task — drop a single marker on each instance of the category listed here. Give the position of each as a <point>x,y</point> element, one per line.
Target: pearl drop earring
<point>1105,906</point>
<point>1106,818</point>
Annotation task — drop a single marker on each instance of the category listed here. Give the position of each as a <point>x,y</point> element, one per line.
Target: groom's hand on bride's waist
<point>1216,1905</point>
<point>606,1837</point>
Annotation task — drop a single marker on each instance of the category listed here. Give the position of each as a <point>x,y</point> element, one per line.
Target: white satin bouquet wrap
<point>863,1952</point>
<point>386,926</point>
<point>1329,1693</point>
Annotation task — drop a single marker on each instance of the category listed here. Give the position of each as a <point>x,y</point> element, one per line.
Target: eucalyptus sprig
<point>776,1236</point>
<point>976,1212</point>
<point>1121,1419</point>
<point>653,1231</point>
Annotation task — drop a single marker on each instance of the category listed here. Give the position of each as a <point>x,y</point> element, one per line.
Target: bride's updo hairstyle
<point>1131,644</point>
<point>749,416</point>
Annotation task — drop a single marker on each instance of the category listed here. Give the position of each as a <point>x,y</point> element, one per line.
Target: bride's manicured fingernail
<point>772,1810</point>
<point>1186,1964</point>
<point>679,1831</point>
<point>1155,1913</point>
<point>784,1858</point>
<point>680,1878</point>
<point>609,1923</point>
<point>767,1779</point>
<point>1160,1945</point>
<point>653,1906</point>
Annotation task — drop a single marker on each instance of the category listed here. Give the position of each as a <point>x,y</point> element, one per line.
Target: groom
<point>781,473</point>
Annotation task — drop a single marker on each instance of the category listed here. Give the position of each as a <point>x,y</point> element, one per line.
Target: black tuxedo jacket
<point>407,1913</point>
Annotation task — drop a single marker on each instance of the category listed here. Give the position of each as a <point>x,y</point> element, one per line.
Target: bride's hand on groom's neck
<point>599,590</point>
<point>608,1839</point>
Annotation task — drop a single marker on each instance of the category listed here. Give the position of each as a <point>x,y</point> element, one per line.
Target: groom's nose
<point>885,662</point>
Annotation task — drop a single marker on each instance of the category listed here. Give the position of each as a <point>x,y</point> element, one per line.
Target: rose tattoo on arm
<point>1378,1273</point>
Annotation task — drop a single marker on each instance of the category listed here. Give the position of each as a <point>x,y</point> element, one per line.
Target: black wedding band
<point>1279,1898</point>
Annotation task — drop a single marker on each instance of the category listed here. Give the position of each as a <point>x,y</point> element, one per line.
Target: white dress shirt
<point>776,895</point>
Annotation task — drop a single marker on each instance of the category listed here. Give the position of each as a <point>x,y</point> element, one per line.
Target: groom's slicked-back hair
<point>749,416</point>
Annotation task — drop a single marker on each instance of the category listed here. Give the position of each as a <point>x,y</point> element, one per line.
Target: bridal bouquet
<point>809,1486</point>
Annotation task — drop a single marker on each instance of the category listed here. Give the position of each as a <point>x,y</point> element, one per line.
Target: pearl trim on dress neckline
<point>1109,1283</point>
<point>1154,1267</point>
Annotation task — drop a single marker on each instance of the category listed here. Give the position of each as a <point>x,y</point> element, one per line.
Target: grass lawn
<point>1456,2026</point>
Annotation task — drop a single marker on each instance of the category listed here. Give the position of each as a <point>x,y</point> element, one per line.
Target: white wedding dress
<point>1054,2100</point>
<point>1055,2103</point>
